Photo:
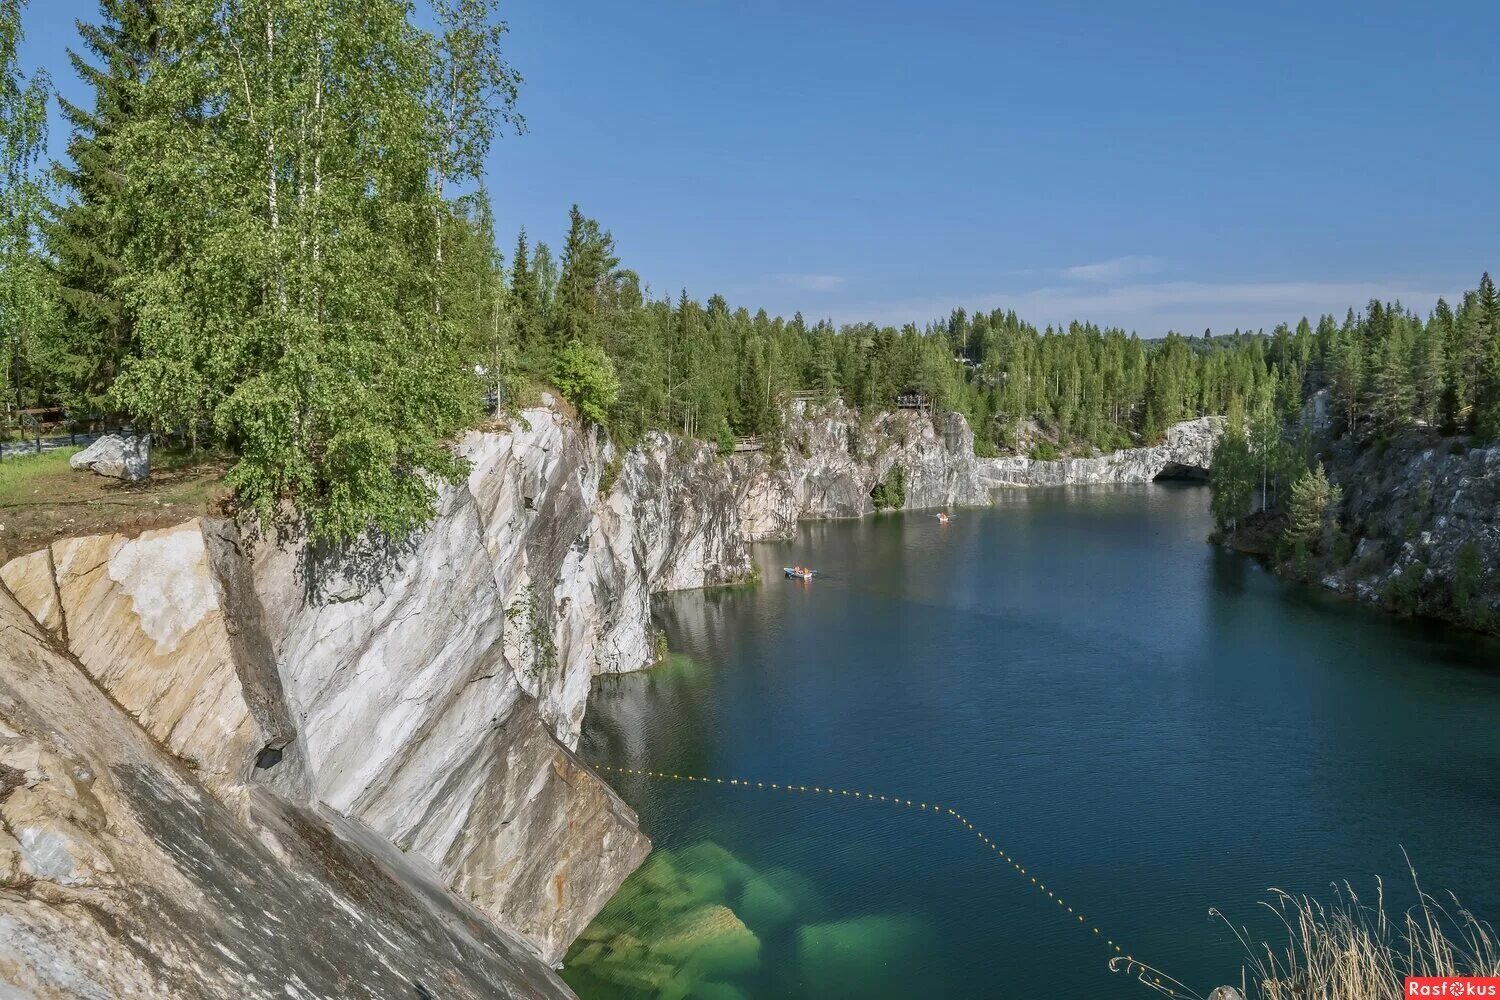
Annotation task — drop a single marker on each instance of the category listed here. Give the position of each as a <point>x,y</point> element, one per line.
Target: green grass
<point>18,473</point>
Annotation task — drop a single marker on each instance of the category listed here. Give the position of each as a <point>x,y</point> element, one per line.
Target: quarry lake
<point>1151,726</point>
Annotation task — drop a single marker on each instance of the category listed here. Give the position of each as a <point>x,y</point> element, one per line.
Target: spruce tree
<point>524,296</point>
<point>1444,329</point>
<point>1487,401</point>
<point>589,269</point>
<point>1486,327</point>
<point>1393,394</point>
<point>95,224</point>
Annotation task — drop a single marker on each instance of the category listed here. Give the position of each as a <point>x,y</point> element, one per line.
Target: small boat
<point>943,517</point>
<point>799,572</point>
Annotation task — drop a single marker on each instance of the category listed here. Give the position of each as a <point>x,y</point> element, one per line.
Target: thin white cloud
<point>813,282</point>
<point>1152,309</point>
<point>1114,269</point>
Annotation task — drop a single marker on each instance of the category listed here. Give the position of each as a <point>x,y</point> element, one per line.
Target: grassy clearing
<point>21,476</point>
<point>42,499</point>
<point>1352,950</point>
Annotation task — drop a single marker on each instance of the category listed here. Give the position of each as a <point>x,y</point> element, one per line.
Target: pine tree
<point>589,269</point>
<point>1444,329</point>
<point>1487,401</point>
<point>1431,368</point>
<point>1349,376</point>
<point>544,274</point>
<point>1265,439</point>
<point>1393,393</point>
<point>1311,505</point>
<point>1489,304</point>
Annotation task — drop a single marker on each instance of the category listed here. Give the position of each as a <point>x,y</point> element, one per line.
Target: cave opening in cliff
<point>1176,470</point>
<point>267,758</point>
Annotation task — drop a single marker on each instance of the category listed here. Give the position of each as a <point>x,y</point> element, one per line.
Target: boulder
<point>127,458</point>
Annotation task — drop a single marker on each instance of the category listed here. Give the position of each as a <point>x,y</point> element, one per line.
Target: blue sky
<point>1149,165</point>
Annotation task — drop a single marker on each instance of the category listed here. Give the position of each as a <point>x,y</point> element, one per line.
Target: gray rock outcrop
<point>833,458</point>
<point>1187,451</point>
<point>1421,514</point>
<point>127,458</point>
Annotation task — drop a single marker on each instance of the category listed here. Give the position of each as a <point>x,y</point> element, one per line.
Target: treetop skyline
<point>849,162</point>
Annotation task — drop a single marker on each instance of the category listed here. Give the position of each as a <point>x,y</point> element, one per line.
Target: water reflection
<point>1158,725</point>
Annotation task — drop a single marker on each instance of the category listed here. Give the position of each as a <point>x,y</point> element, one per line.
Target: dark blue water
<point>1151,725</point>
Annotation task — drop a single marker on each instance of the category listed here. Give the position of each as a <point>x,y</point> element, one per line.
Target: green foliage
<point>694,366</point>
<point>96,224</point>
<point>586,284</point>
<point>611,473</point>
<point>29,321</point>
<point>1403,591</point>
<point>1232,476</point>
<point>275,241</point>
<point>1044,451</point>
<point>1311,512</point>
<point>1468,577</point>
<point>1486,325</point>
<point>586,376</point>
<point>310,320</point>
<point>533,622</point>
<point>890,493</point>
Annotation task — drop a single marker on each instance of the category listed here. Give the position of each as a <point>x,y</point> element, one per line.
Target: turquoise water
<point>1152,726</point>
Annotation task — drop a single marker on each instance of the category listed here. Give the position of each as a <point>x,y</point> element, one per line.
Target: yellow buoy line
<point>1119,959</point>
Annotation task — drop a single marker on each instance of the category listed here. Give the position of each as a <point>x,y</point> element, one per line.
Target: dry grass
<point>1352,950</point>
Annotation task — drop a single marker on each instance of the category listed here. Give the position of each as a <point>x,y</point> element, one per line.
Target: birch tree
<point>27,288</point>
<point>286,289</point>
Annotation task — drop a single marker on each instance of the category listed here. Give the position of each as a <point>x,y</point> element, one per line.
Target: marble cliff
<point>233,764</point>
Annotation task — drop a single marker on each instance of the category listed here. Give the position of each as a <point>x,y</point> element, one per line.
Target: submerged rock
<point>671,931</point>
<point>712,938</point>
<point>865,956</point>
